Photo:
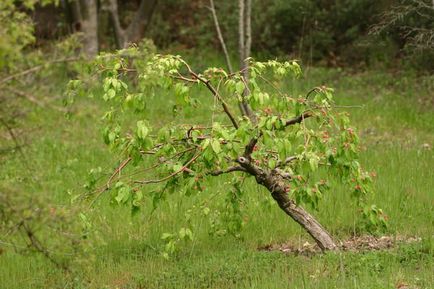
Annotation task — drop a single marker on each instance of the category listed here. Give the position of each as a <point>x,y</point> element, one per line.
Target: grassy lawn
<point>394,115</point>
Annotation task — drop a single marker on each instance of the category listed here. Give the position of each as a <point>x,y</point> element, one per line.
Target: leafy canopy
<point>306,139</point>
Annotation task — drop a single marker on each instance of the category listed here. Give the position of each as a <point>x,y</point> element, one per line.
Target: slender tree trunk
<point>220,36</point>
<point>244,47</point>
<point>276,186</point>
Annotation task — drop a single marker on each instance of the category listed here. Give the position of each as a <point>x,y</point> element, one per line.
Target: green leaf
<point>215,144</point>
<point>189,234</point>
<point>239,87</point>
<point>123,195</point>
<point>111,93</point>
<point>313,162</point>
<point>166,236</point>
<point>205,144</point>
<point>206,211</point>
<point>182,233</point>
<point>142,130</point>
<point>271,163</point>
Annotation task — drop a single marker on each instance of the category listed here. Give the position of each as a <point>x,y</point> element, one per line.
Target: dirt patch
<point>353,244</point>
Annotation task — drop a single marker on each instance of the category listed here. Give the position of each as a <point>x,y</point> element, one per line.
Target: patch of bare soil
<point>353,244</point>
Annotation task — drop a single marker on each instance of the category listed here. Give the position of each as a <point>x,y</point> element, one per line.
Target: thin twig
<point>118,171</point>
<point>171,175</point>
<point>272,85</point>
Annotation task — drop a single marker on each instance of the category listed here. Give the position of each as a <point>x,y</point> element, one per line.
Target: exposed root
<point>353,244</point>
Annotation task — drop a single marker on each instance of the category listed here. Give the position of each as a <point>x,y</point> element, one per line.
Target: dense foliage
<point>304,140</point>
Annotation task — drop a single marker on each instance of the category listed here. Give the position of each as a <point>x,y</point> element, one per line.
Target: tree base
<point>276,186</point>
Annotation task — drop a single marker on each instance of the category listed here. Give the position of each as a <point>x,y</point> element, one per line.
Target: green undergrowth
<point>392,113</point>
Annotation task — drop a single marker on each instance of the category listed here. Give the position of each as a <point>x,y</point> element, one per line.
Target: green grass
<point>395,122</point>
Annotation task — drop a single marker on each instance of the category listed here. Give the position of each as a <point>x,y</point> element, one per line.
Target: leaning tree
<point>291,145</point>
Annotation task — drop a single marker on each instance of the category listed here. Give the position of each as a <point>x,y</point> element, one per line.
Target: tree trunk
<point>141,21</point>
<point>302,217</point>
<point>119,32</point>
<point>137,28</point>
<point>276,186</point>
<point>84,19</point>
<point>244,47</point>
<point>89,12</point>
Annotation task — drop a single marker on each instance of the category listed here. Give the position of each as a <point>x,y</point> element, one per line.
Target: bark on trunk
<point>89,11</point>
<point>302,217</point>
<point>141,21</point>
<point>275,184</point>
<point>83,16</point>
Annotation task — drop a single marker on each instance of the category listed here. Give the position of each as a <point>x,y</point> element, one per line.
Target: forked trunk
<point>274,182</point>
<point>137,28</point>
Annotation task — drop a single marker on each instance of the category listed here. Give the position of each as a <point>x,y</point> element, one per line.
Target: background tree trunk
<point>119,32</point>
<point>83,16</point>
<point>137,28</point>
<point>244,47</point>
<point>89,12</point>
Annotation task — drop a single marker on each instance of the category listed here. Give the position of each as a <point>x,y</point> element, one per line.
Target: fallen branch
<point>38,67</point>
<point>33,99</point>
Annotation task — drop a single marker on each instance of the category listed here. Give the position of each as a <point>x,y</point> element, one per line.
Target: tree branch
<point>229,170</point>
<point>241,27</point>
<point>36,244</point>
<point>214,92</point>
<point>118,171</point>
<point>253,141</point>
<point>298,119</point>
<point>33,99</point>
<point>245,41</point>
<point>286,161</point>
<point>171,175</point>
